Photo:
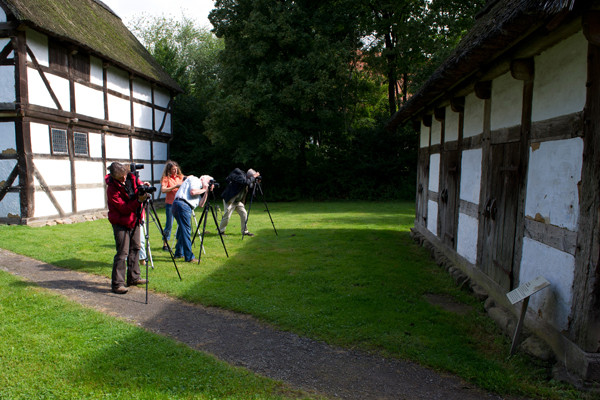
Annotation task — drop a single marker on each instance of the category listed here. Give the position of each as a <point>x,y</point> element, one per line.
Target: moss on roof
<point>91,25</point>
<point>499,25</point>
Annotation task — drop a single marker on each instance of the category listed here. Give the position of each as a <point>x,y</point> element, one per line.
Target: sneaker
<point>137,282</point>
<point>248,234</point>
<point>193,260</point>
<point>120,289</point>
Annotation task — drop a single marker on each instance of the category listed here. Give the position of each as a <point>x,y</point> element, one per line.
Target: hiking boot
<point>137,282</point>
<point>120,289</point>
<point>248,234</point>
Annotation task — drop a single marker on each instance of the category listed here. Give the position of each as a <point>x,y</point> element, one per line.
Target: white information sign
<point>527,289</point>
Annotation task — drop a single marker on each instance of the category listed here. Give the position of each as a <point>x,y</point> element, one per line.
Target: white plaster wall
<point>96,71</point>
<point>40,138</point>
<point>6,167</point>
<point>8,92</point>
<point>54,172</point>
<point>436,132</point>
<point>470,180</point>
<point>434,172</point>
<point>141,149</point>
<point>553,304</point>
<point>90,199</point>
<point>507,102</point>
<point>39,94</point>
<point>424,141</point>
<point>161,97</point>
<point>158,170</point>
<point>118,80</point>
<point>119,110</point>
<point>142,116</point>
<point>44,207</point>
<point>89,101</point>
<point>552,182</point>
<point>10,206</point>
<point>451,131</point>
<point>160,152</point>
<point>432,212</point>
<point>95,144</point>
<point>8,138</point>
<point>142,90</point>
<point>146,172</point>
<point>560,91</point>
<point>473,116</point>
<point>117,147</point>
<point>2,15</point>
<point>89,172</point>
<point>158,118</point>
<point>38,44</point>
<point>467,231</point>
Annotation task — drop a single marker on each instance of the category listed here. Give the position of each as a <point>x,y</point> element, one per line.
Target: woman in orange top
<point>169,184</point>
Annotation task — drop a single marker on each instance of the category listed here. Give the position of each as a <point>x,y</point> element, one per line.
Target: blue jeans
<point>183,215</point>
<point>168,223</point>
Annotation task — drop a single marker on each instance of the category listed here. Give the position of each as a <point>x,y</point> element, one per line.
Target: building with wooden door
<point>77,92</point>
<point>509,165</point>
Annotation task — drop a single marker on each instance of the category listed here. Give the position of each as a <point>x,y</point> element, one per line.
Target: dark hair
<point>117,168</point>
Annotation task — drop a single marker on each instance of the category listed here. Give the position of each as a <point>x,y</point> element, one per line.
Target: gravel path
<point>243,341</point>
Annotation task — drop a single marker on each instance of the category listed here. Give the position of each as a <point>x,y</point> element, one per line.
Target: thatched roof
<point>499,26</point>
<point>94,27</point>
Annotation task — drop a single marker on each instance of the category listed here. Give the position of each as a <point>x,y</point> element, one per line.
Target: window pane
<point>81,144</point>
<point>59,141</point>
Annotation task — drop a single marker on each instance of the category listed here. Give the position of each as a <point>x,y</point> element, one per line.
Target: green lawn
<point>343,272</point>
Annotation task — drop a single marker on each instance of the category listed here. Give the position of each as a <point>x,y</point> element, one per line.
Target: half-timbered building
<point>509,165</point>
<point>77,92</point>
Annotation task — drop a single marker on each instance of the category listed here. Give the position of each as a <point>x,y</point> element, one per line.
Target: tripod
<point>257,185</point>
<point>149,210</point>
<point>202,221</point>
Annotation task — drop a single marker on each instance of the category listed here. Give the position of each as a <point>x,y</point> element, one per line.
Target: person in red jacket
<point>124,209</point>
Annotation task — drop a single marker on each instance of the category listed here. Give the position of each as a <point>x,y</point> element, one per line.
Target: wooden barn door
<point>500,214</point>
<point>448,197</point>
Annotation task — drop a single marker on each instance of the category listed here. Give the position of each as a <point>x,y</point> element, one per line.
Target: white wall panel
<point>160,151</point>
<point>470,179</point>
<point>473,116</point>
<point>89,172</point>
<point>117,147</point>
<point>36,89</point>
<point>45,208</point>
<point>158,117</point>
<point>142,90</point>
<point>40,138</point>
<point>119,110</point>
<point>468,229</point>
<point>141,149</point>
<point>553,304</point>
<point>161,97</point>
<point>553,182</point>
<point>432,212</point>
<point>38,44</point>
<point>8,138</point>
<point>90,199</point>
<point>96,71</point>
<point>560,91</point>
<point>95,144</point>
<point>142,116</point>
<point>118,80</point>
<point>434,172</point>
<point>2,15</point>
<point>6,167</point>
<point>507,102</point>
<point>424,141</point>
<point>89,101</point>
<point>451,125</point>
<point>436,132</point>
<point>54,172</point>
<point>8,92</point>
<point>10,206</point>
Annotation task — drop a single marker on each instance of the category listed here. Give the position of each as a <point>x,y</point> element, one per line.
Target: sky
<point>196,10</point>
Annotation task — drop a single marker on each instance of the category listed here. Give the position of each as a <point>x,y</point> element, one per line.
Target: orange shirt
<point>169,181</point>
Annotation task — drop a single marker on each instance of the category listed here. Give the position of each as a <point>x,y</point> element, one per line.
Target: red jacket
<point>121,209</point>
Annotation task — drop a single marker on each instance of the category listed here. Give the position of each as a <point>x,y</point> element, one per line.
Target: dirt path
<point>243,341</point>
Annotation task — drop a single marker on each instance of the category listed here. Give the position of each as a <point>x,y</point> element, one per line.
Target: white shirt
<point>192,182</point>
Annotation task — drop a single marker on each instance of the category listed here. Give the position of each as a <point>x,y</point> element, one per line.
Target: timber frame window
<point>59,141</point>
<point>80,144</point>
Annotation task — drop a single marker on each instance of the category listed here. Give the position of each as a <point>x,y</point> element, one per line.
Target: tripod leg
<point>245,227</point>
<point>218,230</point>
<point>267,207</point>
<point>202,216</point>
<point>204,212</point>
<point>162,232</point>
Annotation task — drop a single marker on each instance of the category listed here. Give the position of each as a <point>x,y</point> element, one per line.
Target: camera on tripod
<point>143,189</point>
<point>213,182</point>
<point>134,167</point>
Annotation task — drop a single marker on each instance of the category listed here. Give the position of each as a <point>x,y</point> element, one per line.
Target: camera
<point>213,182</point>
<point>258,178</point>
<point>143,189</point>
<point>134,167</point>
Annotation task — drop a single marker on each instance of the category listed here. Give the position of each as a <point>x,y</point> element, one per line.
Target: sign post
<point>524,292</point>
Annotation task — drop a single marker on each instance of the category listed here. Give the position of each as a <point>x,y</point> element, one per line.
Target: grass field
<point>343,272</point>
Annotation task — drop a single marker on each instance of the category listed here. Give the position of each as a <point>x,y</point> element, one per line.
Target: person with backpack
<point>234,197</point>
